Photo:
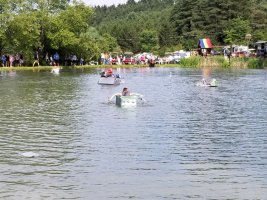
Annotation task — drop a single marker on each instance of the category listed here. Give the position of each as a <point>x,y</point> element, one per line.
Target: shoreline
<point>49,68</point>
<point>192,62</point>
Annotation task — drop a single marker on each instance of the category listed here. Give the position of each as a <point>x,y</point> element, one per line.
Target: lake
<point>60,139</point>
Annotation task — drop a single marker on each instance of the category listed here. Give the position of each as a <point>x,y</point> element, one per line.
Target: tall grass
<point>222,62</point>
<point>254,63</point>
<point>191,62</point>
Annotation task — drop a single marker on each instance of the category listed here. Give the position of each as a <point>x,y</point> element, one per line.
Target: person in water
<point>212,83</point>
<point>125,92</point>
<point>204,82</point>
<point>102,74</point>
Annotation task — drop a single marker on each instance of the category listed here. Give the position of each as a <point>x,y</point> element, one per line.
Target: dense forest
<point>71,27</point>
<point>172,24</point>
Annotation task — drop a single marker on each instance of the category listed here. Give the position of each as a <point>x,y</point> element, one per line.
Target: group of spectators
<point>108,59</point>
<point>9,60</point>
<point>52,59</point>
<point>72,60</point>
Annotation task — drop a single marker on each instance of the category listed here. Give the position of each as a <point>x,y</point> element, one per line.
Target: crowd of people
<point>9,60</point>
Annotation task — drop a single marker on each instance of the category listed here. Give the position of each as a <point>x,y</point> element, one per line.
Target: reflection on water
<point>185,142</point>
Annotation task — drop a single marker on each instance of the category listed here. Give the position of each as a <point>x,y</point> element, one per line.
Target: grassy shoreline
<point>49,68</point>
<point>192,62</point>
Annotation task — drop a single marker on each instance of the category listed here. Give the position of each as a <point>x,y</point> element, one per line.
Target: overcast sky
<point>103,2</point>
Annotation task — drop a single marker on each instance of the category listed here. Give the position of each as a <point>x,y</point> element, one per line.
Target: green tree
<point>236,30</point>
<point>60,36</point>
<point>149,41</point>
<point>76,18</point>
<point>206,18</point>
<point>129,38</point>
<point>23,33</point>
<point>182,16</point>
<point>258,19</point>
<point>64,30</point>
<point>167,35</point>
<point>126,22</point>
<point>90,44</point>
<point>5,18</point>
<point>109,43</point>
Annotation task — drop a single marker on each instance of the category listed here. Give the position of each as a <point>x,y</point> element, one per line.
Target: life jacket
<point>109,71</point>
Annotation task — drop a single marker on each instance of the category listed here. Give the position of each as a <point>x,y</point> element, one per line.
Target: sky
<point>104,2</point>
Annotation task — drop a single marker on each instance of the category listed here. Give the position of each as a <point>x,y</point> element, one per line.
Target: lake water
<point>184,142</point>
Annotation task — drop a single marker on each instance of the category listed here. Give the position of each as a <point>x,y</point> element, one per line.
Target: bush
<point>254,63</point>
<point>225,64</point>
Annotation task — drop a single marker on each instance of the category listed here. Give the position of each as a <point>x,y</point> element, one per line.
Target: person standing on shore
<point>3,59</point>
<point>11,60</point>
<point>56,59</point>
<point>47,61</point>
<point>36,58</point>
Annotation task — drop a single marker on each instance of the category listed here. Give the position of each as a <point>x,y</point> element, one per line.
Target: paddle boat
<point>109,80</point>
<point>130,100</point>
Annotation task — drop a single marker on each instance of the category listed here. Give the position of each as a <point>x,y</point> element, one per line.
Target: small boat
<point>127,101</point>
<point>109,81</point>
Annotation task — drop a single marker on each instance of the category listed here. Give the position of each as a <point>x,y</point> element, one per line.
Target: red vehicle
<point>128,60</point>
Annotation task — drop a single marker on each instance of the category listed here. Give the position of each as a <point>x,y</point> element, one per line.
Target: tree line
<point>71,27</point>
<point>50,26</point>
<point>179,24</point>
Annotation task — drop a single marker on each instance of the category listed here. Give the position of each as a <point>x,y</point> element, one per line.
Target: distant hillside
<point>179,24</point>
<point>132,22</point>
<point>104,14</point>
